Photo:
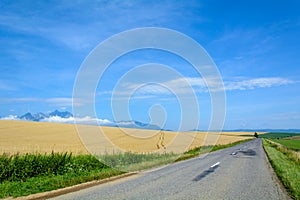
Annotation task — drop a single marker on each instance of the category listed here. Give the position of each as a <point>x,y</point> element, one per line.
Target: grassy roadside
<point>286,164</point>
<point>42,184</point>
<point>22,175</point>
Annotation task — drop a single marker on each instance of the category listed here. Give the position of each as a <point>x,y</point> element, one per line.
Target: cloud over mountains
<point>68,118</point>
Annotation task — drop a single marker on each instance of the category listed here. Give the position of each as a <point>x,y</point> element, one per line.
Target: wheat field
<point>42,137</point>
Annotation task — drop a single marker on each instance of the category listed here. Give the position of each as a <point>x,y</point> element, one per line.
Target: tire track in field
<point>160,143</point>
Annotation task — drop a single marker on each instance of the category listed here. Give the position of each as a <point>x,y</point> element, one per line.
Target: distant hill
<point>136,124</point>
<point>67,117</point>
<point>254,130</point>
<point>267,130</point>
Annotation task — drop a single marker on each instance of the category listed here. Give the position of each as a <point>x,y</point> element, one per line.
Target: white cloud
<point>6,87</point>
<point>61,23</point>
<point>150,90</point>
<point>251,84</point>
<point>153,89</point>
<point>83,120</point>
<point>191,85</point>
<point>57,101</point>
<point>19,99</point>
<point>61,32</point>
<point>60,100</point>
<point>125,123</point>
<point>10,117</point>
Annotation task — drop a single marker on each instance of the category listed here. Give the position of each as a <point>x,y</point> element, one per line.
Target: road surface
<point>239,172</point>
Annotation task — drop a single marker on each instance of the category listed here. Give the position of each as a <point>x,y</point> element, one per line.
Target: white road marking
<point>214,165</point>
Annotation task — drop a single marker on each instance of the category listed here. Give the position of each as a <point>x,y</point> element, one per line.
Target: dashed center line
<point>214,165</point>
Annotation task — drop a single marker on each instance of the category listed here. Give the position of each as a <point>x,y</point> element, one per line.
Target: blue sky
<point>255,45</point>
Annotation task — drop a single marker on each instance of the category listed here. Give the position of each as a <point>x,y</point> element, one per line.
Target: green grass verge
<point>286,165</point>
<point>291,144</point>
<point>22,175</point>
<point>42,184</point>
<point>33,173</point>
<point>22,167</point>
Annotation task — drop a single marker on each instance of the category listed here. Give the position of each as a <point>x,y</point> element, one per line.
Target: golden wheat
<point>29,137</point>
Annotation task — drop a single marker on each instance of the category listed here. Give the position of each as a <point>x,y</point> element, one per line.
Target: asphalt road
<point>239,172</point>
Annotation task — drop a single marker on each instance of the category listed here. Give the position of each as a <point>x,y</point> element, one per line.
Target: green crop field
<point>273,135</point>
<point>288,140</point>
<point>291,144</point>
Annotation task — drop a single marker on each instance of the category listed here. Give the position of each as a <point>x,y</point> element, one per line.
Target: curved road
<point>239,172</point>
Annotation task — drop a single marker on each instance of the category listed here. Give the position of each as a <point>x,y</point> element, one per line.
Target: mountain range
<point>67,117</point>
<point>40,116</point>
<point>136,124</point>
